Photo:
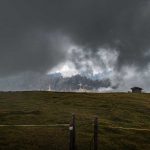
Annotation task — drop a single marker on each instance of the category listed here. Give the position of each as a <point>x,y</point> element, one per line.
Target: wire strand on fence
<point>34,125</point>
<point>67,125</point>
<point>123,128</point>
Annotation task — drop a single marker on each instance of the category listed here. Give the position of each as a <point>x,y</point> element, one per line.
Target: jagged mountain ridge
<point>36,81</point>
<point>76,82</point>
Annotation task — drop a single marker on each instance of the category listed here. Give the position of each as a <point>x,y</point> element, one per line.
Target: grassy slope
<point>117,109</point>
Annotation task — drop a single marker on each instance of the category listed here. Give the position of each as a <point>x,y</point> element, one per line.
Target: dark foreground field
<point>113,110</point>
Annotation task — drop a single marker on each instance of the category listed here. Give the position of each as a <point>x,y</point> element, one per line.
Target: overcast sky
<point>109,38</point>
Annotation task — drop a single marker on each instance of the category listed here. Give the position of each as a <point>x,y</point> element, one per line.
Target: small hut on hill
<point>136,90</point>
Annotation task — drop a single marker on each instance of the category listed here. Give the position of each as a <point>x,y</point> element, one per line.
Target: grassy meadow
<point>113,110</point>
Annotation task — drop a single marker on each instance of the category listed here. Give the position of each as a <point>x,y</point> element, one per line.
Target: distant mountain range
<point>59,83</point>
<point>56,82</point>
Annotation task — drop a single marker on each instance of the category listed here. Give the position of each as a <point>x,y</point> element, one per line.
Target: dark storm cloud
<point>25,24</point>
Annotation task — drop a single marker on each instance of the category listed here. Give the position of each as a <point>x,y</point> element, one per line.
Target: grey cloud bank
<point>35,35</point>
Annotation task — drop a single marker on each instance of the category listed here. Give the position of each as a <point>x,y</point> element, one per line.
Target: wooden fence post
<point>96,133</point>
<point>72,134</point>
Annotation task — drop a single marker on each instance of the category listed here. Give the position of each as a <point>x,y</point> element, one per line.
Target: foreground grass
<point>117,110</point>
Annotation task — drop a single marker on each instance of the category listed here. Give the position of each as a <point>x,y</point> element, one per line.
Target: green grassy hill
<point>113,110</point>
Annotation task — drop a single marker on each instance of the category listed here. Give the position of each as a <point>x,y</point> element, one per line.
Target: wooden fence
<point>72,134</point>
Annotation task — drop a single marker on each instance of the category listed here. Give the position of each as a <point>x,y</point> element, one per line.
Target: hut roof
<point>138,88</point>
